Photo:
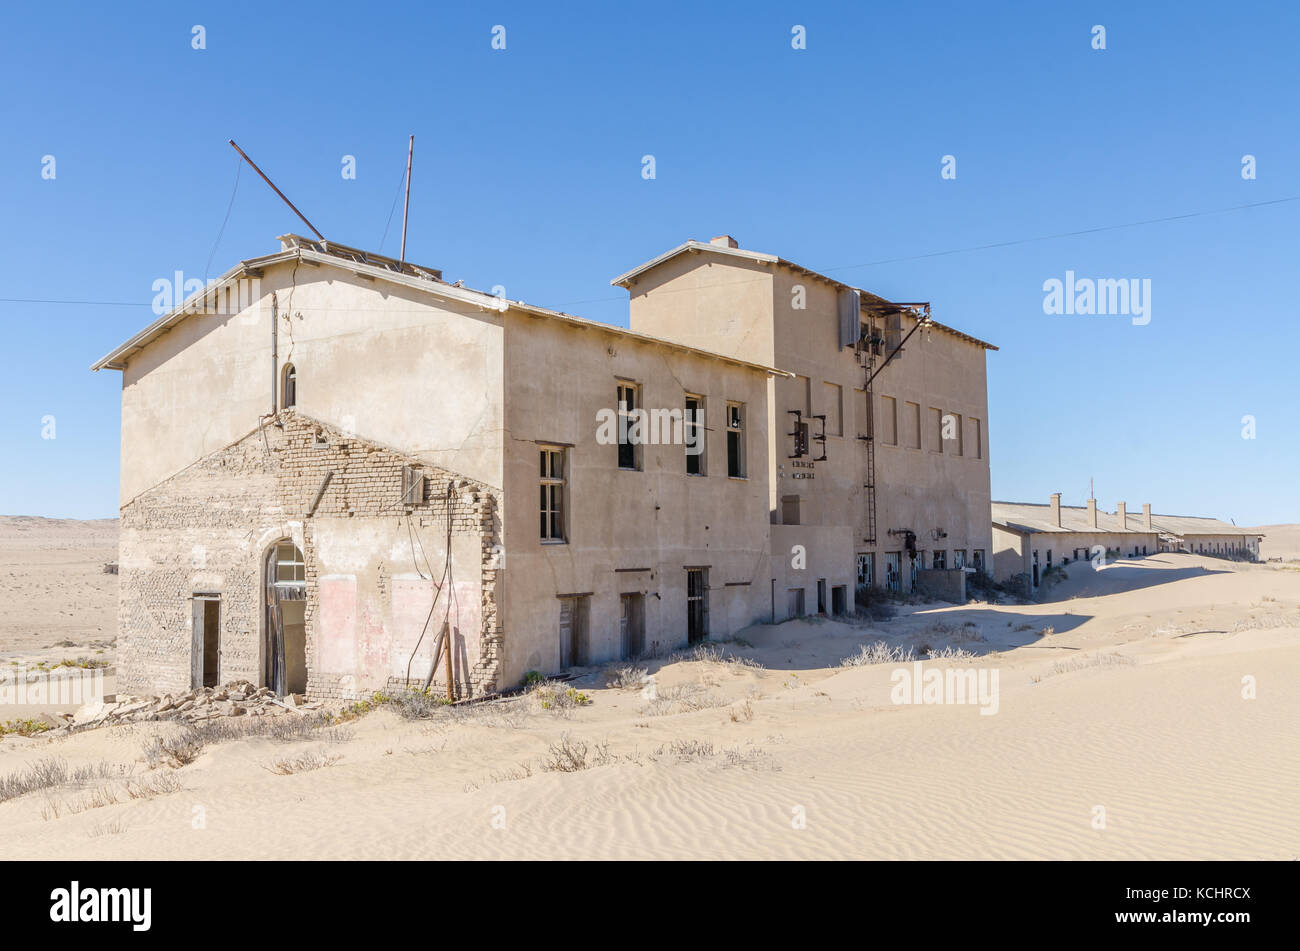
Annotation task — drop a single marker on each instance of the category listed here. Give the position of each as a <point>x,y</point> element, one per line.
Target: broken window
<point>736,440</point>
<point>977,559</point>
<point>553,485</point>
<point>693,432</point>
<point>866,568</point>
<point>893,570</point>
<point>628,450</point>
<point>290,388</point>
<point>940,559</point>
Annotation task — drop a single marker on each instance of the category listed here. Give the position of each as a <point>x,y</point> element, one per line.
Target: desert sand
<point>1280,542</point>
<point>1122,693</point>
<point>57,600</point>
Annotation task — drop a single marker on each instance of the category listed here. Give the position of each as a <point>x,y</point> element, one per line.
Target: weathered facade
<point>268,455</point>
<point>369,557</point>
<point>878,455</point>
<point>332,461</point>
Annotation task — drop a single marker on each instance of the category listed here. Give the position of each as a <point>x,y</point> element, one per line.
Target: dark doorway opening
<point>205,649</point>
<point>573,631</point>
<point>697,604</point>
<point>631,625</point>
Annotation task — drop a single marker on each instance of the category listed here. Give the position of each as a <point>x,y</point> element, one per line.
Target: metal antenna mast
<point>410,153</point>
<point>277,191</point>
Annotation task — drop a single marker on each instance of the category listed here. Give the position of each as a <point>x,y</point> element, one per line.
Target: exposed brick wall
<point>208,528</point>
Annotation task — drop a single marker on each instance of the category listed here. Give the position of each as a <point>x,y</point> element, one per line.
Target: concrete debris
<point>236,699</point>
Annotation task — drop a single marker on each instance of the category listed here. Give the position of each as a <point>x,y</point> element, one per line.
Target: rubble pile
<point>236,699</point>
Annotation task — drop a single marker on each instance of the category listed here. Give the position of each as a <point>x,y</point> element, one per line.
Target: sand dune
<point>1133,703</point>
<point>1280,541</point>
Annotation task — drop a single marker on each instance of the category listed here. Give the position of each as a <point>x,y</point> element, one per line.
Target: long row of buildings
<point>342,473</point>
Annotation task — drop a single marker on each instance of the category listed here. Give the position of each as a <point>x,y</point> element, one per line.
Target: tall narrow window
<point>693,433</point>
<point>290,388</point>
<point>552,494</point>
<point>628,436</point>
<point>736,440</point>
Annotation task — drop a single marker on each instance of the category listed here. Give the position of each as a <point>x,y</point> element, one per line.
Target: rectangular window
<point>912,424</point>
<point>736,440</point>
<point>697,604</point>
<point>977,559</point>
<point>889,420</point>
<point>936,429</point>
<point>693,432</point>
<point>959,558</point>
<point>958,444</point>
<point>977,437</point>
<point>893,570</point>
<point>834,394</point>
<point>866,568</point>
<point>553,485</point>
<point>940,559</point>
<point>629,453</point>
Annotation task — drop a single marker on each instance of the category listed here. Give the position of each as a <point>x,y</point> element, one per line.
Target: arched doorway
<point>285,644</point>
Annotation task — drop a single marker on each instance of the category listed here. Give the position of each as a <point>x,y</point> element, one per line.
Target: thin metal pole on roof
<point>277,191</point>
<point>410,154</point>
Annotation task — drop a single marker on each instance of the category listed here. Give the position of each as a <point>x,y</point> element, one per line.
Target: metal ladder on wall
<point>868,344</point>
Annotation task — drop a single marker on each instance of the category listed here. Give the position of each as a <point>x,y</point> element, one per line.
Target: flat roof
<point>872,302</point>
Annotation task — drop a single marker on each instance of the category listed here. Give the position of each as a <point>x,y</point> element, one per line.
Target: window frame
<point>635,448</point>
<point>696,425</point>
<point>738,431</point>
<point>553,507</point>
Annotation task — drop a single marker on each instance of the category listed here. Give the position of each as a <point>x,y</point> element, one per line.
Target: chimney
<point>724,241</point>
<point>1121,515</point>
<point>1146,517</point>
<point>1056,509</point>
<point>1092,514</point>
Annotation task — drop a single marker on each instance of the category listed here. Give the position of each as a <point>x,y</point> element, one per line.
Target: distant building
<point>1030,538</point>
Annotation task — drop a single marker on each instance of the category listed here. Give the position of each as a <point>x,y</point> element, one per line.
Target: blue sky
<point>528,175</point>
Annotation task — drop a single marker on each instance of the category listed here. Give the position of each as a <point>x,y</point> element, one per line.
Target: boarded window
<point>889,420</point>
<point>834,394</point>
<point>912,425</point>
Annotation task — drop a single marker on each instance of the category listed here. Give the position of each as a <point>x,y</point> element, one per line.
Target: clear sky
<point>528,174</point>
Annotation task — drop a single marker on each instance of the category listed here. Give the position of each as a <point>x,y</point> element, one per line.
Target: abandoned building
<point>1028,538</point>
<point>878,463</point>
<point>341,473</point>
